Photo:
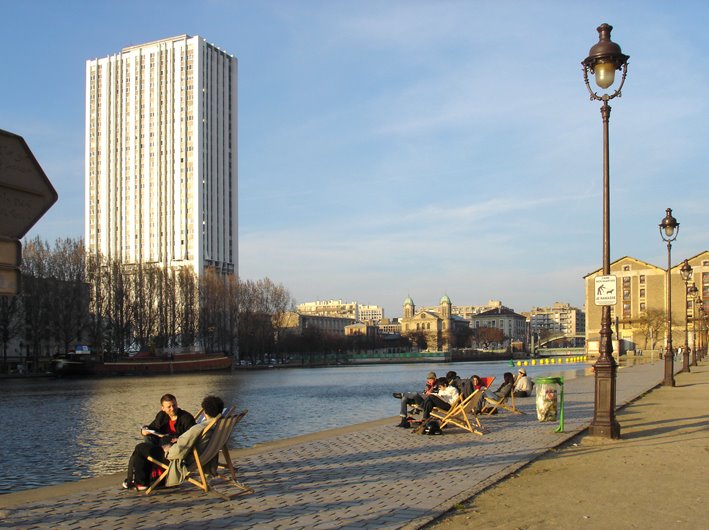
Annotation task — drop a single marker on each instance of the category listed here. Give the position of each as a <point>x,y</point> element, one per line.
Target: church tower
<point>409,308</point>
<point>445,306</point>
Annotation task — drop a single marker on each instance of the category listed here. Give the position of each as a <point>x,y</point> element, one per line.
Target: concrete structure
<point>338,308</point>
<point>638,317</point>
<point>557,319</point>
<point>438,327</point>
<point>391,327</point>
<point>161,155</point>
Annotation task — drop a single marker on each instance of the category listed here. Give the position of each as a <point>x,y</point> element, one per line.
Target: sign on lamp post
<point>606,290</point>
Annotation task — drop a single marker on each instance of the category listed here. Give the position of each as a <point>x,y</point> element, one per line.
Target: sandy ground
<point>655,476</point>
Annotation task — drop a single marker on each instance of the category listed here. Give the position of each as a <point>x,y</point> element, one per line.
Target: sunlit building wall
<point>161,155</point>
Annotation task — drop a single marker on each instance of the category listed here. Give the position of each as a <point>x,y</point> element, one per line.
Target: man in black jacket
<point>164,430</point>
<point>170,420</point>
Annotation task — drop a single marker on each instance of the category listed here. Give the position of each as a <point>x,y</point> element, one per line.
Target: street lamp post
<point>686,273</point>
<point>702,329</point>
<point>604,58</point>
<point>693,293</point>
<point>669,230</point>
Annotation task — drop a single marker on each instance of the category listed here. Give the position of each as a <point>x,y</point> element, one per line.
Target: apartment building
<point>560,318</point>
<point>338,308</point>
<point>161,155</point>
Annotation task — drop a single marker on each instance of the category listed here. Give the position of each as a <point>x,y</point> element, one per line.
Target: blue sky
<point>406,148</point>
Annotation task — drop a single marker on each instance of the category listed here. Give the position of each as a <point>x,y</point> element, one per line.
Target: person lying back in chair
<point>139,468</point>
<point>447,395</point>
<point>504,390</point>
<point>179,456</point>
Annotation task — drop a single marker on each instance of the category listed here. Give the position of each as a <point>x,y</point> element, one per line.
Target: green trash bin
<point>550,400</point>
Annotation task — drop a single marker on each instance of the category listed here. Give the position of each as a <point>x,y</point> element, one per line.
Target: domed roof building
<point>432,329</point>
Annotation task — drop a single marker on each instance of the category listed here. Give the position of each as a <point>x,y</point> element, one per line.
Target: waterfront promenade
<point>371,475</point>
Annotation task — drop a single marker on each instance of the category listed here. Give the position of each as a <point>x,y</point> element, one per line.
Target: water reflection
<point>71,429</point>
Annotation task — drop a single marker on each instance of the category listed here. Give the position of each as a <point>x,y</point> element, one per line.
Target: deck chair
<point>506,402</point>
<point>460,414</point>
<point>221,428</point>
<point>466,407</point>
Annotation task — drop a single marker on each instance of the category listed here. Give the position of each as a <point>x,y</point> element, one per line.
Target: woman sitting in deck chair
<point>502,392</point>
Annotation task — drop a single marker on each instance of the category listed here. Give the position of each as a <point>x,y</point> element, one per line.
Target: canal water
<point>58,430</point>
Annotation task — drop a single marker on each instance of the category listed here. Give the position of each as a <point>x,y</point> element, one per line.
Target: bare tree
<point>10,324</point>
<point>653,325</point>
<point>187,306</point>
<point>35,293</point>
<point>68,302</point>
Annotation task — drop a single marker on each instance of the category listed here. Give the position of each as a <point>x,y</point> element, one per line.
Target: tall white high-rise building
<point>161,155</point>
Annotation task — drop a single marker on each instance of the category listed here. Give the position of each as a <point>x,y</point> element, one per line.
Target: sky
<point>408,148</point>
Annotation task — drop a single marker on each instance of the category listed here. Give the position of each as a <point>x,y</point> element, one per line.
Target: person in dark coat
<point>169,424</point>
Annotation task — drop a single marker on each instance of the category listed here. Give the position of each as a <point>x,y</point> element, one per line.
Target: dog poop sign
<point>605,290</point>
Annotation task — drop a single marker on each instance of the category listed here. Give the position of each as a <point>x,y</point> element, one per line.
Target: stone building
<point>439,327</point>
<point>513,325</point>
<point>640,298</point>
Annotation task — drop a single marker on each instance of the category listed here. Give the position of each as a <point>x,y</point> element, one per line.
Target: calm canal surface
<point>59,430</point>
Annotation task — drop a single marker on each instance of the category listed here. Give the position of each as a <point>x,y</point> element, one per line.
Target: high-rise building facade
<point>561,318</point>
<point>161,155</point>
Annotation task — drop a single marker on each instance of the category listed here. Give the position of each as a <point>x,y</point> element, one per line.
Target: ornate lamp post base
<point>604,422</point>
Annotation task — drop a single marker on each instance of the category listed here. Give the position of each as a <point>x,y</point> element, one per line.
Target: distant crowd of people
<point>444,392</point>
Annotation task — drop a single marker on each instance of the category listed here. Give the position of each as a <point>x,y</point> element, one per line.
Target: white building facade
<point>338,308</point>
<point>560,318</point>
<point>161,155</point>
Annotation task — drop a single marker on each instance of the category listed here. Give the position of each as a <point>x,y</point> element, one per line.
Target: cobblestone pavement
<point>375,476</point>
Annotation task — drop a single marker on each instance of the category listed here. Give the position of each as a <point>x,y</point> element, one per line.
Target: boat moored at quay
<point>73,365</point>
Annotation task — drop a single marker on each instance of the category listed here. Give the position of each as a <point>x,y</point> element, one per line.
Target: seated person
<point>444,399</point>
<point>140,467</point>
<point>170,420</point>
<point>523,386</point>
<point>455,380</point>
<point>471,385</point>
<point>170,423</point>
<point>179,455</point>
<point>410,398</point>
<point>504,390</point>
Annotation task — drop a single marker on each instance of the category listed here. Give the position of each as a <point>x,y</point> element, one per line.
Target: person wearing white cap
<point>523,385</point>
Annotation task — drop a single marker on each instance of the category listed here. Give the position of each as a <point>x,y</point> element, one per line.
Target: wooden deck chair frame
<point>223,426</point>
<point>505,402</point>
<point>459,414</point>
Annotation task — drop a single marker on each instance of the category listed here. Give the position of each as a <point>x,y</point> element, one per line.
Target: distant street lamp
<point>702,329</point>
<point>604,58</point>
<point>686,273</point>
<point>669,230</point>
<point>693,294</point>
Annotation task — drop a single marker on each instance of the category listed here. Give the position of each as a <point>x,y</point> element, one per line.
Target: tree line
<point>68,297</point>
